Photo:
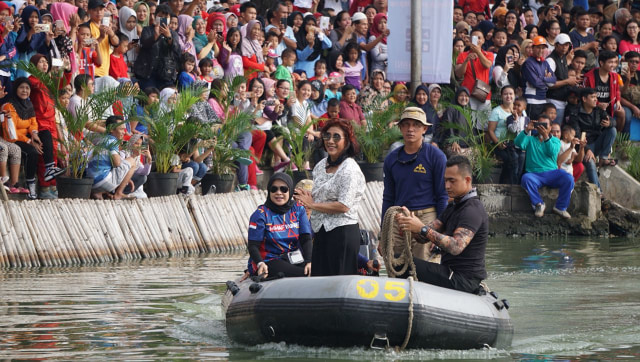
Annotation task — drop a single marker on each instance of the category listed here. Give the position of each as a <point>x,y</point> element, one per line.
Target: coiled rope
<point>387,243</point>
<point>405,259</point>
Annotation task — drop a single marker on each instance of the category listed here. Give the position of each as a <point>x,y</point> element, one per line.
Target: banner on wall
<point>437,40</point>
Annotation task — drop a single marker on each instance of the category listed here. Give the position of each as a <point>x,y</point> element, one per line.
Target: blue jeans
<point>199,169</point>
<point>243,142</point>
<point>600,148</point>
<point>557,179</point>
<point>628,115</point>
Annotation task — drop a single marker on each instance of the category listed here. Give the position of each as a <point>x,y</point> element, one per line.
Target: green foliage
<point>169,129</point>
<point>378,133</point>
<point>622,146</point>
<point>80,150</point>
<point>483,160</point>
<point>235,122</point>
<point>295,136</point>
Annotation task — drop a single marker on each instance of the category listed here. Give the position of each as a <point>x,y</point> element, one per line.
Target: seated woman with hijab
<point>452,124</point>
<point>280,233</point>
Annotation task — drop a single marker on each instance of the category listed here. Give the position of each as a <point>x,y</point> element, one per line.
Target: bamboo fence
<point>68,232</point>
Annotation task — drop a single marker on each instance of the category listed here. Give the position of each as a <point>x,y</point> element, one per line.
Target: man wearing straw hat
<point>414,177</point>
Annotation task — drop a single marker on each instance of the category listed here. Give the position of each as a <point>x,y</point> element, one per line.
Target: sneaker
<point>244,161</point>
<point>46,194</point>
<point>539,210</point>
<point>33,194</point>
<point>280,166</point>
<point>562,213</point>
<point>243,187</point>
<point>52,173</point>
<point>54,191</point>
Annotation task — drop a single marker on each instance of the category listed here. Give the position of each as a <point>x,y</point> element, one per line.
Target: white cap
<point>358,16</point>
<point>562,39</point>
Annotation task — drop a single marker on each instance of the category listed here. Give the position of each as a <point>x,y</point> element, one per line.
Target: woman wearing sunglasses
<point>280,233</point>
<point>338,186</point>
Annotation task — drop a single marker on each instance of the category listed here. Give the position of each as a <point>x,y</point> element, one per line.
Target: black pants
<point>335,252</point>
<point>31,162</point>
<point>442,276</point>
<point>534,111</point>
<point>278,266</point>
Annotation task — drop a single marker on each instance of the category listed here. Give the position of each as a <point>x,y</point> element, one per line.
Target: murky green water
<point>570,299</point>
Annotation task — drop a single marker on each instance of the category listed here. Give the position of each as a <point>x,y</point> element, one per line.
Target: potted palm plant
<point>483,160</point>
<point>375,137</point>
<point>78,148</point>
<point>169,132</point>
<point>224,155</point>
<point>295,137</point>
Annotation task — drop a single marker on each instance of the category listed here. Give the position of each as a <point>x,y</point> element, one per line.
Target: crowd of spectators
<point>513,62</point>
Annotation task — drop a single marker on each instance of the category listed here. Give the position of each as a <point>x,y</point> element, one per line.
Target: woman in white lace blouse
<point>338,186</point>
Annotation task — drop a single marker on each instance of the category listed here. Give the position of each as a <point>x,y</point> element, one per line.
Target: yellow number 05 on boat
<point>368,288</point>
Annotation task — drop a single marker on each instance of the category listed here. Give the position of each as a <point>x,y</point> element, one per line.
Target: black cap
<point>93,4</point>
<point>595,10</point>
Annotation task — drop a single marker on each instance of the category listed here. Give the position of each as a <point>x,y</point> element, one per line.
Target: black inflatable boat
<point>345,311</point>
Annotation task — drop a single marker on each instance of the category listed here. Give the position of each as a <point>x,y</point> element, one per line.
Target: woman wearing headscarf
<point>372,95</point>
<point>26,134</point>
<point>126,15</point>
<point>453,123</point>
<point>186,34</point>
<point>422,99</point>
<point>280,233</point>
<point>379,53</point>
<point>338,186</point>
<point>400,94</point>
<point>28,41</point>
<point>310,42</point>
<point>205,40</point>
<point>252,57</point>
<point>143,14</point>
<point>68,14</point>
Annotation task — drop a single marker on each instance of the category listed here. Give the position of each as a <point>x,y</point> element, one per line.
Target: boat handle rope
<point>405,259</point>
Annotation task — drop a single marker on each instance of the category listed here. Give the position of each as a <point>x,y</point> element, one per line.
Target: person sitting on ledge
<point>541,168</point>
<point>280,233</point>
<point>111,174</point>
<point>461,231</point>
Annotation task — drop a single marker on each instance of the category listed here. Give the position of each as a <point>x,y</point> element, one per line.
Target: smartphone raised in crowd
<point>474,40</point>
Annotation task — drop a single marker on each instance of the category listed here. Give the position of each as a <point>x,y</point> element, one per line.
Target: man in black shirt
<point>461,231</point>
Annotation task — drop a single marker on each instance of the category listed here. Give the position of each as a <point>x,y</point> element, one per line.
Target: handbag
<point>480,89</point>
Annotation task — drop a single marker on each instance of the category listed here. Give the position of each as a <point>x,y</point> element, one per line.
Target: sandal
<point>608,162</point>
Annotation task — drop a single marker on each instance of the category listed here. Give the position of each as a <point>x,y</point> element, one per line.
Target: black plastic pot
<point>222,183</point>
<point>161,184</point>
<point>372,171</point>
<point>74,188</point>
<point>301,175</point>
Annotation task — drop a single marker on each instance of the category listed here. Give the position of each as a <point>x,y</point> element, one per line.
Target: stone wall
<point>511,213</point>
<point>619,186</point>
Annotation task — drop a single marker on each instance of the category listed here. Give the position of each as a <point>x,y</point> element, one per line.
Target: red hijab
<point>217,16</point>
<point>374,28</point>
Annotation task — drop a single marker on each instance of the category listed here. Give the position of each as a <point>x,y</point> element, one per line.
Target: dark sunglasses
<point>336,137</point>
<point>283,189</point>
<point>409,161</point>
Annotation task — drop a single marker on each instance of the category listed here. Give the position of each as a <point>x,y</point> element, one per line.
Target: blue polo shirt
<point>417,184</point>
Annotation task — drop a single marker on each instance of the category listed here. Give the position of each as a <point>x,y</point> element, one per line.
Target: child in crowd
<point>187,75</point>
<point>206,67</point>
<point>136,125</point>
<point>63,133</point>
<point>118,66</point>
<point>568,154</point>
<point>88,53</point>
<point>353,66</point>
<point>230,55</point>
<point>320,71</point>
<point>283,72</point>
<point>349,109</point>
<point>550,111</point>
<point>518,121</point>
<point>185,175</point>
<point>333,86</point>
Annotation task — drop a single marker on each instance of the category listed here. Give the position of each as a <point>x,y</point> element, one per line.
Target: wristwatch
<point>424,230</point>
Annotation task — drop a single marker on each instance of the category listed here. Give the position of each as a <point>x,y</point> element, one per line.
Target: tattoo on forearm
<point>435,224</point>
<point>455,244</point>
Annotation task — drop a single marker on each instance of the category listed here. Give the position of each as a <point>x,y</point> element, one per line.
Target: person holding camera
<point>278,25</point>
<point>280,233</point>
<point>311,41</point>
<point>541,166</point>
<point>159,57</point>
<point>100,27</point>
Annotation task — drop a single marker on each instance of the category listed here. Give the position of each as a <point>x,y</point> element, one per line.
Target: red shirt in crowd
<point>352,112</point>
<point>482,73</point>
<point>118,67</point>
